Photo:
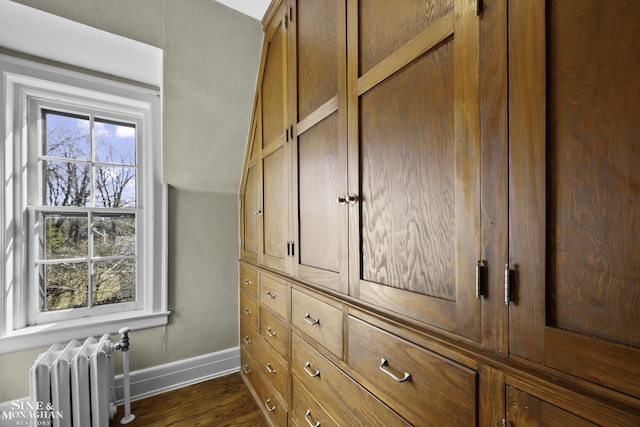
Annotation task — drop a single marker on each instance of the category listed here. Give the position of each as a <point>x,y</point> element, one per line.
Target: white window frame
<point>26,85</point>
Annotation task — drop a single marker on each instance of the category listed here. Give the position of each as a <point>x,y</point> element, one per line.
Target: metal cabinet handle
<point>308,371</point>
<point>270,369</point>
<point>246,340</point>
<point>342,200</point>
<point>246,369</point>
<point>306,417</point>
<point>247,311</point>
<point>270,409</point>
<point>258,212</point>
<point>310,321</point>
<point>270,295</point>
<point>247,281</point>
<point>384,364</point>
<point>352,198</point>
<point>268,331</point>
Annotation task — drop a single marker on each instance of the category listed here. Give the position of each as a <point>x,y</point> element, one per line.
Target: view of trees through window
<point>87,238</point>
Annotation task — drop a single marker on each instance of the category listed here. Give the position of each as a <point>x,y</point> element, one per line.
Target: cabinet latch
<point>507,284</point>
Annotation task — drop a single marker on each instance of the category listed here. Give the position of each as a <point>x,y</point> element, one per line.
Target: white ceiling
<point>253,8</point>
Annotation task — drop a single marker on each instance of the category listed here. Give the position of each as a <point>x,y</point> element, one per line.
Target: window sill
<point>47,334</point>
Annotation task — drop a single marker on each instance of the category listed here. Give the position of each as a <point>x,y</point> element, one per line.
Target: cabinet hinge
<point>480,273</point>
<point>285,21</point>
<point>479,6</point>
<point>290,13</point>
<point>288,248</point>
<point>507,284</point>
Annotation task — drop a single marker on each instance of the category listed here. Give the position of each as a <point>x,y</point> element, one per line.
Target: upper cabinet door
<point>575,188</point>
<point>318,68</point>
<point>275,136</point>
<point>414,159</point>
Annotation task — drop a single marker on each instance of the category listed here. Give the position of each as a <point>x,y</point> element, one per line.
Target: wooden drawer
<point>319,320</point>
<point>341,396</point>
<point>270,401</point>
<point>271,366</point>
<point>249,281</point>
<point>248,333</point>
<point>306,410</point>
<point>249,311</point>
<point>247,365</point>
<point>274,331</point>
<point>442,392</point>
<point>274,294</point>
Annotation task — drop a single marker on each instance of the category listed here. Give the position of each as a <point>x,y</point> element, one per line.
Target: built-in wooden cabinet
<point>445,192</point>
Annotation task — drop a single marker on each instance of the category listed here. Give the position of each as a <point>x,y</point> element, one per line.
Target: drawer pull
<point>306,417</point>
<point>246,340</point>
<point>270,295</point>
<point>247,311</point>
<point>268,331</point>
<point>247,281</point>
<point>308,371</point>
<point>310,321</point>
<point>246,369</point>
<point>270,409</point>
<point>270,369</point>
<point>384,364</point>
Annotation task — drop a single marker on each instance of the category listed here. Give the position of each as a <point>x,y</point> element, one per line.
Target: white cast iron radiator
<point>74,385</point>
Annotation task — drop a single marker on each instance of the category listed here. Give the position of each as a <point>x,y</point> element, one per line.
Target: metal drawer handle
<point>246,340</point>
<point>270,409</point>
<point>310,321</point>
<point>268,331</point>
<point>270,369</point>
<point>247,311</point>
<point>246,369</point>
<point>308,371</point>
<point>270,295</point>
<point>247,281</point>
<point>384,363</point>
<point>306,417</point>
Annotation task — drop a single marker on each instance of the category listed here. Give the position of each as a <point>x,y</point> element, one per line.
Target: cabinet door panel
<point>575,220</point>
<point>275,202</point>
<point>419,242</point>
<point>274,81</point>
<point>251,211</point>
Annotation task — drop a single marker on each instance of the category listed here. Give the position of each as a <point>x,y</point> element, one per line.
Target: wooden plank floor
<point>221,402</point>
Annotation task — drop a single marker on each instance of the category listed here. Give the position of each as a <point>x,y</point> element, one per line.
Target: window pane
<point>114,281</point>
<point>65,236</point>
<point>67,183</point>
<point>115,187</point>
<point>66,136</point>
<point>64,285</point>
<point>114,235</point>
<point>115,142</point>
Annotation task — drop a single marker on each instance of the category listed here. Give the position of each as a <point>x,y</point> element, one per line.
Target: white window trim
<point>21,80</point>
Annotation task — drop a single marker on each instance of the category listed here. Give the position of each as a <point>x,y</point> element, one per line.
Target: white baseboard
<point>159,379</point>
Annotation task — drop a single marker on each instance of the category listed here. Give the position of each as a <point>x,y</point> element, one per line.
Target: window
<point>84,209</point>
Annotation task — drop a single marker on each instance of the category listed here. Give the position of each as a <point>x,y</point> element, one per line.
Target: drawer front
<point>270,401</point>
<point>247,365</point>
<point>274,332</point>
<point>443,392</point>
<point>249,281</point>
<point>319,320</point>
<point>306,410</point>
<point>248,334</point>
<point>271,366</point>
<point>249,311</point>
<point>274,294</point>
<point>340,395</point>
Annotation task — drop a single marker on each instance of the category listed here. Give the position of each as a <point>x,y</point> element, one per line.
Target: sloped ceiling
<point>253,8</point>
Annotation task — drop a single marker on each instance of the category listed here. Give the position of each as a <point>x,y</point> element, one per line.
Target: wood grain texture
<point>251,207</point>
<point>317,54</point>
<point>275,188</point>
<point>386,26</point>
<point>408,178</point>
<point>593,169</point>
<point>273,86</point>
<point>221,402</point>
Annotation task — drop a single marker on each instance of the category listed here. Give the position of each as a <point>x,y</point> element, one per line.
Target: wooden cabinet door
<point>524,410</point>
<point>318,66</point>
<point>275,136</point>
<point>575,188</point>
<point>414,159</point>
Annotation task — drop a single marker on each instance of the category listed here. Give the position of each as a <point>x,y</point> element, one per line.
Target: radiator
<point>74,385</point>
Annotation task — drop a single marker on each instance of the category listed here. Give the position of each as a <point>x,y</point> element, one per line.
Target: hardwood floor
<point>221,402</point>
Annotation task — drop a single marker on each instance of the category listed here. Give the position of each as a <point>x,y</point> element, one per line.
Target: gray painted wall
<point>211,60</point>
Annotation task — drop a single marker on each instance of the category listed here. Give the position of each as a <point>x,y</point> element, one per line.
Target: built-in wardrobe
<point>440,214</point>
